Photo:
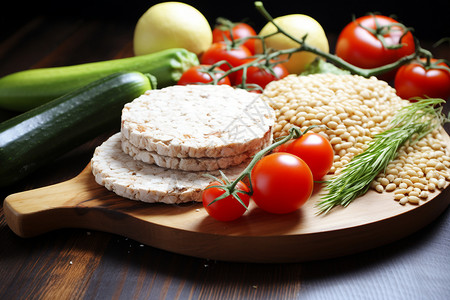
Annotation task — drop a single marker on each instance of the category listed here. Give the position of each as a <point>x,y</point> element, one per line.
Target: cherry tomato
<point>314,149</point>
<point>219,51</point>
<point>261,76</point>
<point>363,49</point>
<point>282,183</point>
<point>199,74</point>
<point>228,208</point>
<point>416,80</point>
<point>239,31</point>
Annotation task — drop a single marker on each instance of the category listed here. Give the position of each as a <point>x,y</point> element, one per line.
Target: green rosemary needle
<point>411,123</point>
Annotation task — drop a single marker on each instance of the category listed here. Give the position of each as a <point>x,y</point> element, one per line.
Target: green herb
<point>411,123</point>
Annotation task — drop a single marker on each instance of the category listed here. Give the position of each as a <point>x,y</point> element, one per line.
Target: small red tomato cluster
<point>223,55</point>
<point>375,40</point>
<point>281,182</point>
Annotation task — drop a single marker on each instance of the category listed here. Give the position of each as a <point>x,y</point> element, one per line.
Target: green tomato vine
<point>270,57</point>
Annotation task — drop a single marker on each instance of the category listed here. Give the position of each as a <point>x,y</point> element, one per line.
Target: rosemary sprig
<point>411,123</point>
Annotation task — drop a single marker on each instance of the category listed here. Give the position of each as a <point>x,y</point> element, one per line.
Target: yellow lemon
<point>171,25</point>
<point>296,25</point>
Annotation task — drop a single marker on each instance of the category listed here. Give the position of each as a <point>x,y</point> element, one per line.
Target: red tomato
<point>226,209</point>
<point>239,31</point>
<point>199,74</point>
<point>314,149</point>
<point>415,80</point>
<point>282,183</point>
<point>261,76</point>
<point>220,51</point>
<point>363,49</point>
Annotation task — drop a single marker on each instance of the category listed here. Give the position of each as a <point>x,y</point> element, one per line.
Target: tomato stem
<point>264,60</point>
<point>230,187</point>
<point>331,57</point>
<point>380,31</point>
<point>227,25</point>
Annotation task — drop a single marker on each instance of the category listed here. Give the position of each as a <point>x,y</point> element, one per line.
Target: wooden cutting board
<point>370,221</point>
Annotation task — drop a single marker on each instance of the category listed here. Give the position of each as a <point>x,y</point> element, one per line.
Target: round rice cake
<point>198,121</point>
<point>136,180</point>
<point>188,163</point>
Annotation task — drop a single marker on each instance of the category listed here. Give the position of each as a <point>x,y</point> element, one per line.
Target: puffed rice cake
<point>198,121</point>
<point>136,180</point>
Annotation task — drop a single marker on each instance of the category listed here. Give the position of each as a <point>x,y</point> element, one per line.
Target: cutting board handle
<point>41,210</point>
<point>186,229</point>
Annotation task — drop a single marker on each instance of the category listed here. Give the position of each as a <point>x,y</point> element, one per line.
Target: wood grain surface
<point>370,221</point>
<point>90,264</point>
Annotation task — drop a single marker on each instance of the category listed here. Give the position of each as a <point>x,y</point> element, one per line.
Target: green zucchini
<point>27,89</point>
<point>38,136</point>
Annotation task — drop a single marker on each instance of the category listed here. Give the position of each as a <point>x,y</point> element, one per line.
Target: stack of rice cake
<point>171,137</point>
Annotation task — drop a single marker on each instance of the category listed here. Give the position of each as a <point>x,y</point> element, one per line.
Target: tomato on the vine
<point>239,31</point>
<point>417,80</point>
<point>358,45</point>
<point>200,74</point>
<point>261,76</point>
<point>314,149</point>
<point>222,51</point>
<point>282,183</point>
<point>228,208</point>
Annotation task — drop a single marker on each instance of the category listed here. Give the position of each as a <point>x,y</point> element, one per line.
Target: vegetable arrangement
<point>279,183</point>
<point>282,182</point>
<point>373,45</point>
<point>280,178</point>
<point>40,135</point>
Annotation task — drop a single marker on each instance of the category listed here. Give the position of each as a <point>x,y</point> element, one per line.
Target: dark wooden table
<point>83,264</point>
